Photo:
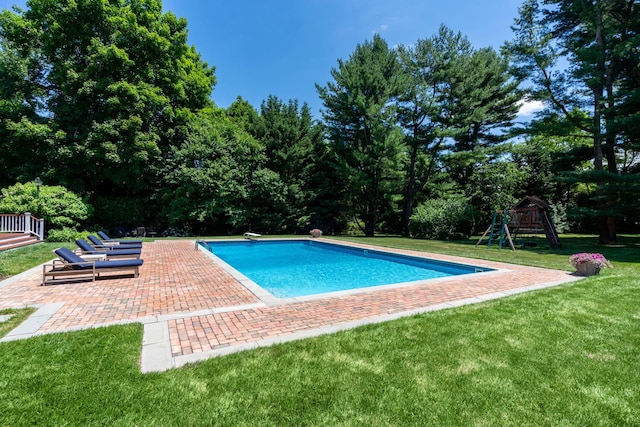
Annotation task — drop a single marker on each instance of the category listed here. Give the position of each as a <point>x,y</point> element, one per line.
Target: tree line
<point>105,98</point>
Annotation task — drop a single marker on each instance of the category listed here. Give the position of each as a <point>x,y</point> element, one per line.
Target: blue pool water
<point>300,268</point>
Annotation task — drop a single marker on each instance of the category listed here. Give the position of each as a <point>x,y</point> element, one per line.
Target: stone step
<point>13,241</point>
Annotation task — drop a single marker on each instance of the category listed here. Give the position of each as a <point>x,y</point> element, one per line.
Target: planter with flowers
<point>316,232</point>
<point>588,264</point>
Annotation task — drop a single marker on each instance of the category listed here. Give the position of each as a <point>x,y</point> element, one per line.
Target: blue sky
<point>285,47</point>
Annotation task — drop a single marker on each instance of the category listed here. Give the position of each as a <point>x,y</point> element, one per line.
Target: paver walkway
<point>193,309</point>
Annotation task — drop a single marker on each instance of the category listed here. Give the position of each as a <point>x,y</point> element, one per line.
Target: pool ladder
<point>205,244</point>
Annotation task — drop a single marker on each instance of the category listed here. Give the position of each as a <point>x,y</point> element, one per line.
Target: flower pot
<point>587,269</point>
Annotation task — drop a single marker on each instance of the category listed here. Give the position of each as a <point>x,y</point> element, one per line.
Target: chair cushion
<point>99,243</point>
<point>67,255</point>
<point>120,252</point>
<point>86,247</point>
<point>119,263</point>
<point>93,239</point>
<point>80,264</point>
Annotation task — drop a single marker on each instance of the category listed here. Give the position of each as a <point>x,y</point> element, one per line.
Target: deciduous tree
<point>118,86</point>
<point>216,180</point>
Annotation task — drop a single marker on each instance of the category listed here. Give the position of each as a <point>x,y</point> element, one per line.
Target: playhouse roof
<point>531,201</point>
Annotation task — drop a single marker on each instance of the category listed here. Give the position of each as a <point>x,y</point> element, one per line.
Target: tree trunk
<point>603,237</point>
<point>410,195</point>
<point>598,98</point>
<point>610,152</point>
<point>408,212</point>
<point>369,227</point>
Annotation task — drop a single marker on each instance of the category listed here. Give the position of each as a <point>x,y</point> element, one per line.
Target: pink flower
<point>582,258</point>
<point>316,232</point>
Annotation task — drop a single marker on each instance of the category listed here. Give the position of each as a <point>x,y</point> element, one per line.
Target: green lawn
<point>16,316</point>
<point>563,356</point>
<point>19,260</point>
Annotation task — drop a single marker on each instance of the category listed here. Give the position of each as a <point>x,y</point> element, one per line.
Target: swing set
<point>531,216</point>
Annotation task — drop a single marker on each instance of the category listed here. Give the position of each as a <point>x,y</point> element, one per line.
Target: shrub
<point>176,232</point>
<point>559,217</point>
<point>64,234</point>
<point>58,206</point>
<point>441,218</point>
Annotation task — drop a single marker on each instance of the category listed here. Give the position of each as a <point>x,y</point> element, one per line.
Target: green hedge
<point>442,219</point>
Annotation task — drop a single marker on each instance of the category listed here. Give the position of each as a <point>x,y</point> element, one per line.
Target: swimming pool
<point>298,268</point>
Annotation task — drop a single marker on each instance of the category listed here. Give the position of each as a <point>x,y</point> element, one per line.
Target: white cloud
<point>527,108</point>
<point>381,29</point>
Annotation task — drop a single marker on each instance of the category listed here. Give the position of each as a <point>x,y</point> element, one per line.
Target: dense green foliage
<point>55,204</point>
<point>111,86</point>
<point>442,219</point>
<point>214,175</point>
<point>64,234</point>
<point>106,98</point>
<point>454,98</point>
<point>295,151</point>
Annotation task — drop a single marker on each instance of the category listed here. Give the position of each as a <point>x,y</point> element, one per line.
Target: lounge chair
<point>102,244</point>
<point>109,253</point>
<point>106,238</point>
<point>70,266</point>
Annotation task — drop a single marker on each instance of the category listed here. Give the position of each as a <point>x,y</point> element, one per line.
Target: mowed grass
<point>562,356</point>
<point>15,316</point>
<point>16,261</point>
<point>626,251</point>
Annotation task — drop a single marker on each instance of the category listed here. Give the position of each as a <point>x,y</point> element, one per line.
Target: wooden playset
<point>531,216</point>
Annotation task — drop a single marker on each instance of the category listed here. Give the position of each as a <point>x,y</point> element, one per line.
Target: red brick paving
<point>175,278</point>
<point>178,280</point>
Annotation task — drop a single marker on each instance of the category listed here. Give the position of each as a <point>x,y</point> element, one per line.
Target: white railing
<point>25,223</point>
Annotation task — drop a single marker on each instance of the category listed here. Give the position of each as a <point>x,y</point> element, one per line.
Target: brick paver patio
<point>193,309</point>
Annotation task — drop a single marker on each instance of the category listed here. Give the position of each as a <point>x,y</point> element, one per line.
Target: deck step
<point>12,241</point>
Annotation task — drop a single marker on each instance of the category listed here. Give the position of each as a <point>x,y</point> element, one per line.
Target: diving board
<point>250,235</point>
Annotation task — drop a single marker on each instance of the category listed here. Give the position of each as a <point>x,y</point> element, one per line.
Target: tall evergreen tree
<point>599,41</point>
<point>244,114</point>
<point>358,112</point>
<point>422,112</point>
<point>456,102</point>
<point>482,99</point>
<point>291,142</point>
